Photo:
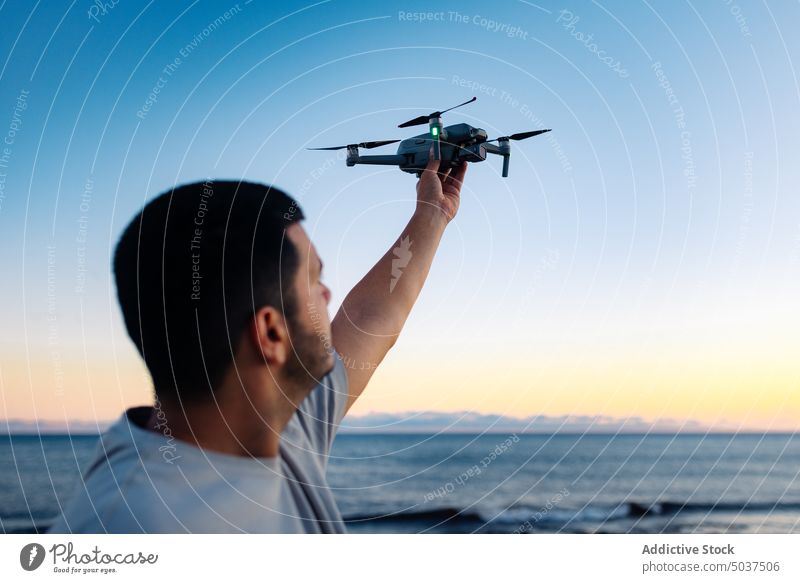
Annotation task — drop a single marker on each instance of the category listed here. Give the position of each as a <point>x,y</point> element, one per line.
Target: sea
<point>495,483</point>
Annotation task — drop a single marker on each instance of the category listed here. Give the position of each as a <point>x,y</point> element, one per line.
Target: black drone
<point>452,145</point>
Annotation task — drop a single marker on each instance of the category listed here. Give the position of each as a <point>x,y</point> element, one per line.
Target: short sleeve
<point>321,413</point>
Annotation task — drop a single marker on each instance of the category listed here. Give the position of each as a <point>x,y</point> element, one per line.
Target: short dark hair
<point>191,269</point>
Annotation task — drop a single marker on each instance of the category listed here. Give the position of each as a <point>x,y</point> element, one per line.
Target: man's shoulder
<point>197,491</point>
<point>322,411</point>
<point>105,501</point>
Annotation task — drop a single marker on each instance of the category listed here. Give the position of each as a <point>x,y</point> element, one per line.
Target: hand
<point>440,191</point>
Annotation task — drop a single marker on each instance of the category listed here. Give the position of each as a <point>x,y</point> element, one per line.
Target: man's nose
<point>326,292</point>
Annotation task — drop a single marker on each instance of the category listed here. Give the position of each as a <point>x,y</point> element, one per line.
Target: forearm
<point>376,309</point>
<point>381,302</point>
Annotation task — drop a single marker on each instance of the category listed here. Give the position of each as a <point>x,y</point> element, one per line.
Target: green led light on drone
<point>434,131</point>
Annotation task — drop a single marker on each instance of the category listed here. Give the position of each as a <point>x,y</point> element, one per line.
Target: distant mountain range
<point>51,426</point>
<point>428,422</point>
<point>471,422</point>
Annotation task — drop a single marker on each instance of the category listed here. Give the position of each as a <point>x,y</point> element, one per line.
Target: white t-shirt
<point>141,481</point>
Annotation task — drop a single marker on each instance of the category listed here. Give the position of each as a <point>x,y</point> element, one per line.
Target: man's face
<point>310,328</point>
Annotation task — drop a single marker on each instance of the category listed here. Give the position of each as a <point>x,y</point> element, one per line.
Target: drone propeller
<point>519,136</point>
<point>423,119</point>
<point>366,145</point>
<point>504,148</point>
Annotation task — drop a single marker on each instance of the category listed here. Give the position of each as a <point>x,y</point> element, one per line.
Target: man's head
<point>217,280</point>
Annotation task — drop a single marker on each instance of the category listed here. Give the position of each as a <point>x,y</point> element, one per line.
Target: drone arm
<point>492,148</point>
<point>502,149</point>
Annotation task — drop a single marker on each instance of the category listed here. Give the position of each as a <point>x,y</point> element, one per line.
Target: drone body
<point>451,145</point>
<point>458,143</point>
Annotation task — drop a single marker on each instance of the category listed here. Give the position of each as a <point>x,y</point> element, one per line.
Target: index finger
<point>457,174</point>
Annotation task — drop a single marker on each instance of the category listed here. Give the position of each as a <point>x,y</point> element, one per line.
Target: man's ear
<point>270,335</point>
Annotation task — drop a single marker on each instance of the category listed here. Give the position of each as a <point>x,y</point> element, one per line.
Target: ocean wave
<point>525,515</point>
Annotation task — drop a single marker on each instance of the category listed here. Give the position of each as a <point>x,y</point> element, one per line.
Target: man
<point>221,292</point>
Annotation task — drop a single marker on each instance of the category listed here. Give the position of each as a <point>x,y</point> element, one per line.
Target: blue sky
<point>630,230</point>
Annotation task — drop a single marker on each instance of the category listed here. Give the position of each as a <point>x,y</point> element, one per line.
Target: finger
<point>433,165</point>
<point>456,177</point>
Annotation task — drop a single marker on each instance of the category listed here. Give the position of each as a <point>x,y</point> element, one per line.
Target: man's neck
<point>225,428</point>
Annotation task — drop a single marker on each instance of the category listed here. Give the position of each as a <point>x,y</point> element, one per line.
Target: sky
<point>642,260</point>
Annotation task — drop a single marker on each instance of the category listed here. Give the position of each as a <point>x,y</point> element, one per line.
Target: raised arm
<point>373,313</point>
